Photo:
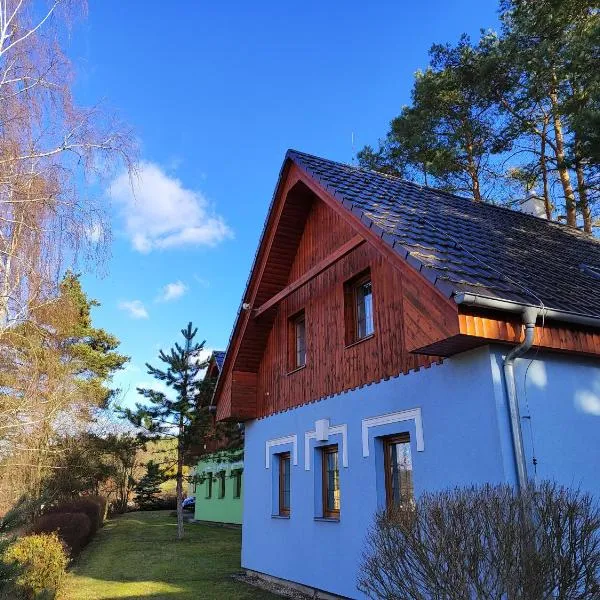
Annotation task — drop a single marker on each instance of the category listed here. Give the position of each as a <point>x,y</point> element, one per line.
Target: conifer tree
<point>148,487</point>
<point>177,414</point>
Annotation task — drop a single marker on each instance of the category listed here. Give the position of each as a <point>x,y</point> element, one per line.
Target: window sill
<point>284,517</point>
<point>327,519</point>
<point>296,370</point>
<point>364,339</point>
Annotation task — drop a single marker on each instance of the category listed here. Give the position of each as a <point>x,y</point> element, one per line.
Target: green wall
<point>221,510</point>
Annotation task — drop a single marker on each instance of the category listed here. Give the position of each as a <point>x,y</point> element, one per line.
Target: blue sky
<point>216,93</point>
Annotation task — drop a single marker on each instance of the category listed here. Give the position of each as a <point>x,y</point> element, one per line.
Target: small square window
<point>358,295</point>
<point>399,490</point>
<point>331,482</point>
<point>284,484</point>
<point>297,341</point>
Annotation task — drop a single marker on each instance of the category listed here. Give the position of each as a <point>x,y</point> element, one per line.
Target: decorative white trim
<point>312,435</point>
<point>413,414</point>
<point>290,439</point>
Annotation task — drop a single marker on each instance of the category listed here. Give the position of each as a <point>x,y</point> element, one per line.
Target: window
<point>331,482</point>
<point>358,295</point>
<point>284,484</point>
<point>221,478</point>
<point>209,479</point>
<point>237,483</point>
<point>398,470</point>
<point>297,341</point>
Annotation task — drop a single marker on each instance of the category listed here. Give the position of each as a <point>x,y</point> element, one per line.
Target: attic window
<point>358,301</point>
<point>297,341</point>
<point>591,270</point>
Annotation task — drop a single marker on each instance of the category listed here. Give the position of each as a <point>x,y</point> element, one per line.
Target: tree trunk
<point>472,170</point>
<point>584,204</point>
<point>561,163</point>
<point>180,479</point>
<point>544,171</point>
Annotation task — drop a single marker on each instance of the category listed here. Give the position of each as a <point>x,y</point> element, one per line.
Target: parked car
<point>189,503</point>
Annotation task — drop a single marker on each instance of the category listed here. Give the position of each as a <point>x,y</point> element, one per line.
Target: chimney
<point>533,205</point>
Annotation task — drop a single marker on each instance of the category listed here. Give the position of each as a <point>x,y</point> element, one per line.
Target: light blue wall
<point>462,433</point>
<point>559,398</point>
<point>467,441</point>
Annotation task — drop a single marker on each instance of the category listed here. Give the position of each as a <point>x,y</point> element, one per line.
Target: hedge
<point>72,528</point>
<point>88,505</point>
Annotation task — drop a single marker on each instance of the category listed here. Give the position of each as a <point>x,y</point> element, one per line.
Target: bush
<point>42,561</point>
<point>72,528</point>
<point>103,506</point>
<point>485,543</point>
<point>168,502</point>
<point>87,505</point>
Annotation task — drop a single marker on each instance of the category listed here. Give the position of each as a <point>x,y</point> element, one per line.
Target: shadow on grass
<point>137,556</point>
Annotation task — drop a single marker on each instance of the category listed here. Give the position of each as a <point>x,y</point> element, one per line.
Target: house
<point>394,339</point>
<point>217,481</point>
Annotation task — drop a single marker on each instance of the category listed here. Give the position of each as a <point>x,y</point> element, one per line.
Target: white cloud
<point>172,291</point>
<point>159,212</point>
<point>205,283</point>
<point>135,308</point>
<point>95,232</point>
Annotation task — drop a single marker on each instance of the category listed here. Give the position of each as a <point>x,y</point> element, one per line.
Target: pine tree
<point>178,415</point>
<point>148,487</point>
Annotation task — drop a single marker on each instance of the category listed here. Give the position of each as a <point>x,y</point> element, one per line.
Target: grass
<point>137,555</point>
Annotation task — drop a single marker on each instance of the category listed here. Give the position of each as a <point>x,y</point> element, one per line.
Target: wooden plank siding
<point>331,367</point>
<point>302,264</point>
<point>479,329</point>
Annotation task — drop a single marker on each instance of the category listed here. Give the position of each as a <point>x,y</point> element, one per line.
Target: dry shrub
<point>88,505</point>
<point>103,507</point>
<point>72,528</point>
<point>42,561</point>
<point>487,543</point>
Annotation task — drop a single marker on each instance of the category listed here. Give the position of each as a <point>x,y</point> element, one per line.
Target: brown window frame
<point>237,483</point>
<point>388,442</point>
<point>328,511</point>
<point>221,479</point>
<point>209,479</point>
<point>351,287</point>
<point>293,360</point>
<point>284,458</point>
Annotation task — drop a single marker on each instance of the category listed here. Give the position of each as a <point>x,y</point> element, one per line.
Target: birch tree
<point>52,154</point>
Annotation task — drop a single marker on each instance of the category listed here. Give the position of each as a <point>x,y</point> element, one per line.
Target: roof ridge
<point>561,226</point>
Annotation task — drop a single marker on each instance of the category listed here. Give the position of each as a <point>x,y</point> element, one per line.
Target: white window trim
<point>312,435</point>
<point>290,439</point>
<point>413,414</point>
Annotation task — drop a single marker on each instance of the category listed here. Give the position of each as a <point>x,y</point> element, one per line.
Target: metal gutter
<point>518,307</point>
<point>529,315</point>
<point>529,318</point>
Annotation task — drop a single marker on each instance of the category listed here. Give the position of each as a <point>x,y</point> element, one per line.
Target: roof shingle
<point>467,246</point>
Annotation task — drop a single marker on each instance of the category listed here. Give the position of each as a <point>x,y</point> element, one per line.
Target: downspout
<point>529,317</point>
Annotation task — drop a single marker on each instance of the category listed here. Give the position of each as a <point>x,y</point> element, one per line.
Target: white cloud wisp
<point>159,212</point>
<point>172,291</point>
<point>134,308</point>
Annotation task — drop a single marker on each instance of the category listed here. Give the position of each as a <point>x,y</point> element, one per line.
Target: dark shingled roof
<point>219,356</point>
<point>466,246</point>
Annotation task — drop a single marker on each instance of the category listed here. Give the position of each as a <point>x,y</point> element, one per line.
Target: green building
<point>218,487</point>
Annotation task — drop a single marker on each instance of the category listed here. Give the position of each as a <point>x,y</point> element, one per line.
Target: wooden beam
<point>321,266</point>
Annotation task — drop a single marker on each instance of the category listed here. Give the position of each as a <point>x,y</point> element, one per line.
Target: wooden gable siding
<point>331,367</point>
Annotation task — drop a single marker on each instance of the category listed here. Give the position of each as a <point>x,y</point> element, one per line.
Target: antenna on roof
<point>353,151</point>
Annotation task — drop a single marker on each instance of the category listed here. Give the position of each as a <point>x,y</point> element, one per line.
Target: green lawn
<point>137,556</point>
